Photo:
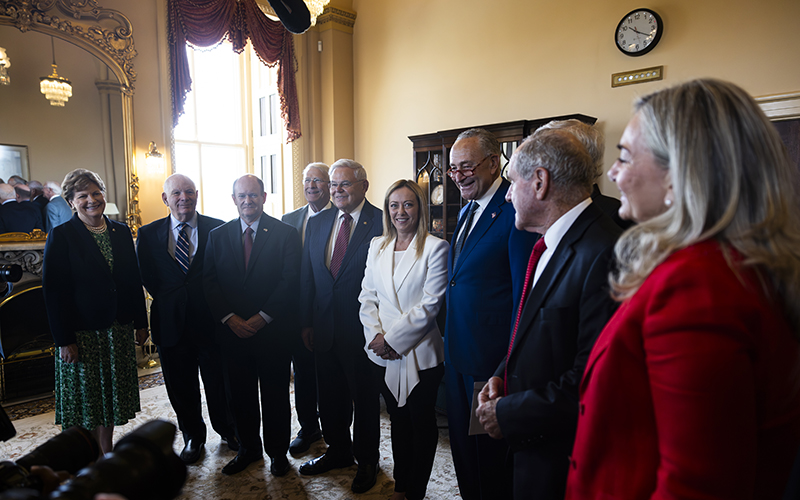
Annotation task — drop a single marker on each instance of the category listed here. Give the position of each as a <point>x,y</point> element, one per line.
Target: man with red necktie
<point>531,401</point>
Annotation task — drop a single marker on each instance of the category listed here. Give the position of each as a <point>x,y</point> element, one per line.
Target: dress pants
<point>246,371</point>
<point>414,433</point>
<point>349,384</point>
<point>180,364</point>
<point>305,388</point>
<point>480,461</point>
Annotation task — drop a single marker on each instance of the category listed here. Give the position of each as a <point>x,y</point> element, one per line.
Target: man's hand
<point>492,390</point>
<point>69,353</point>
<point>141,336</point>
<point>257,322</point>
<point>307,334</point>
<point>487,415</point>
<point>240,327</point>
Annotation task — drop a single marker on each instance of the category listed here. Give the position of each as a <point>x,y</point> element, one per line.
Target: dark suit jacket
<point>331,306</point>
<point>483,288</point>
<point>21,217</point>
<point>270,283</point>
<point>80,291</point>
<point>609,206</point>
<point>178,298</point>
<point>562,317</point>
<point>42,201</point>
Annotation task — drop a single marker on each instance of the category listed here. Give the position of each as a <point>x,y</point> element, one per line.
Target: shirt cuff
<point>266,316</point>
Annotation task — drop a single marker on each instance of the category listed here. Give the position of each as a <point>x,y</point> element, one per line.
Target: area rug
<point>205,480</point>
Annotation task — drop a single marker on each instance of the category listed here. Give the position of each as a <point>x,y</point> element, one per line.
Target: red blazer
<point>692,390</point>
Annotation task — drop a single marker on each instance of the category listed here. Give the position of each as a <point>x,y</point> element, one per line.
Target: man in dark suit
<point>487,256</point>
<point>334,260</point>
<point>37,195</point>
<point>251,281</point>
<point>531,400</point>
<point>22,217</point>
<point>57,210</point>
<point>317,194</point>
<point>171,252</point>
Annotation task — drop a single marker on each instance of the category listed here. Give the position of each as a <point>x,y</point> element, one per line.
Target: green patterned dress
<point>102,389</point>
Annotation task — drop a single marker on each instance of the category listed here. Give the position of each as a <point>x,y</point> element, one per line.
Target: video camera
<point>142,466</point>
<point>9,273</point>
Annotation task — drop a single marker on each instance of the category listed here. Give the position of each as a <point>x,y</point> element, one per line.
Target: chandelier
<point>315,7</point>
<point>5,63</point>
<point>56,89</point>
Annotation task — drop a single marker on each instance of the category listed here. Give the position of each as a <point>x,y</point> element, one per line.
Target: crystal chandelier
<point>5,63</point>
<point>56,89</point>
<point>315,7</point>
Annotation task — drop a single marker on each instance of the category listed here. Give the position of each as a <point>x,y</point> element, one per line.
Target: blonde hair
<point>732,181</point>
<point>389,231</point>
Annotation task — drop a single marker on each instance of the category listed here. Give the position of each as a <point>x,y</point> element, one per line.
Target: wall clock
<point>639,32</point>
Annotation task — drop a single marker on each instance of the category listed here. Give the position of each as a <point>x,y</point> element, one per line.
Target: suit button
<point>453,283</point>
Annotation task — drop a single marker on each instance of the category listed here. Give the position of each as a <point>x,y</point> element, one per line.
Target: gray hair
<point>168,181</point>
<point>322,167</point>
<point>35,185</point>
<point>79,180</point>
<point>357,168</point>
<point>732,181</point>
<point>591,138</point>
<point>15,179</point>
<point>54,187</point>
<point>487,140</point>
<point>560,153</point>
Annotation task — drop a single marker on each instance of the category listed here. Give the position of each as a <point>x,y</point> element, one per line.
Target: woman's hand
<point>382,349</point>
<point>141,336</point>
<point>69,353</point>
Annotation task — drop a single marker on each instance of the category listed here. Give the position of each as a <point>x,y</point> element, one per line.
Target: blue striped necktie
<point>182,249</point>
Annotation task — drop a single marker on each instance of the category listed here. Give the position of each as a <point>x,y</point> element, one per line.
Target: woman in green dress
<point>96,309</point>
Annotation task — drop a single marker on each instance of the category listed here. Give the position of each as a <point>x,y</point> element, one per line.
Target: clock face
<point>437,196</point>
<point>638,32</point>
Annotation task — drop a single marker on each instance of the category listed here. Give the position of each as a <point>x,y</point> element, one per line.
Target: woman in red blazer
<point>693,388</point>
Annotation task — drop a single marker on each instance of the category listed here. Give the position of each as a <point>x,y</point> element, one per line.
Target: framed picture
<point>13,161</point>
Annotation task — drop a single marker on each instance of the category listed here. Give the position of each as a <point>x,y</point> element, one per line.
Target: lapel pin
<point>494,214</point>
<point>264,229</point>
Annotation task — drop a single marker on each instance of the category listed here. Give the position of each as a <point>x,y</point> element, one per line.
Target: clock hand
<point>639,32</point>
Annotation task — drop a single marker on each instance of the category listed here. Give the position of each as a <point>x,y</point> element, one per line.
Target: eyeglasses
<point>343,184</point>
<point>466,170</point>
<point>315,180</point>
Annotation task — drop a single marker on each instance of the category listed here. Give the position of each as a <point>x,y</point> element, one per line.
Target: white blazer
<point>402,304</point>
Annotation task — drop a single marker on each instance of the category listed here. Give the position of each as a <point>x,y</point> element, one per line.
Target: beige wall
<point>423,66</point>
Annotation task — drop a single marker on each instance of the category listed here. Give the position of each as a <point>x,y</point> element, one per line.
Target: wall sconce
<point>154,159</point>
<point>5,63</point>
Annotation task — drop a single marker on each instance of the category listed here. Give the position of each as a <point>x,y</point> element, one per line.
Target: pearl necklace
<point>97,229</point>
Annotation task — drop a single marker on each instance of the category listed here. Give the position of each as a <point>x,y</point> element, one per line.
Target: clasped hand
<point>486,412</point>
<point>382,349</point>
<point>246,329</point>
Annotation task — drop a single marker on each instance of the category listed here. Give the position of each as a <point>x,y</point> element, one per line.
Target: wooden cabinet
<point>432,158</point>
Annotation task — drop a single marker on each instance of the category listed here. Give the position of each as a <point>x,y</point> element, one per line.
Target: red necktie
<point>340,247</point>
<point>248,245</point>
<point>536,254</point>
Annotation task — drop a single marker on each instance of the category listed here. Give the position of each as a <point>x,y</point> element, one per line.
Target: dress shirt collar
<point>192,223</point>
<point>484,200</point>
<point>311,213</point>
<point>355,213</point>
<point>254,226</point>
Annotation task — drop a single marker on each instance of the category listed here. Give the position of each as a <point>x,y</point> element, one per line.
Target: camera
<point>141,466</point>
<point>10,273</point>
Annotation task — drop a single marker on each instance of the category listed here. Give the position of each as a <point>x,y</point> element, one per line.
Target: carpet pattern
<point>255,483</point>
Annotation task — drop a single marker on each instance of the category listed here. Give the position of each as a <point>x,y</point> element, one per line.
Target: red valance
<point>206,22</point>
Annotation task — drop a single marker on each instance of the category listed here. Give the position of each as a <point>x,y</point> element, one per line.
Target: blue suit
<point>482,287</point>
<point>347,379</point>
<point>56,213</point>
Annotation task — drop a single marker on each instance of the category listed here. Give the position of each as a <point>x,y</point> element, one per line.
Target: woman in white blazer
<point>402,292</point>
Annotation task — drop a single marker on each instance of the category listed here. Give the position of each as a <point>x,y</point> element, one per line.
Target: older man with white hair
<point>57,210</point>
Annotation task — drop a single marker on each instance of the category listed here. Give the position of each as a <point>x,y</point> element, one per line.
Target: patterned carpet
<point>34,425</point>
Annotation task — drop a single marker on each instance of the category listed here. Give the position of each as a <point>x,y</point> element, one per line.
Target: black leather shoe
<point>280,466</point>
<point>233,443</point>
<point>192,451</point>
<point>240,463</point>
<point>303,442</point>
<point>323,464</point>
<point>365,478</point>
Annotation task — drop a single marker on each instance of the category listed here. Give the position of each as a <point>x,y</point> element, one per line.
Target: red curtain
<point>206,22</point>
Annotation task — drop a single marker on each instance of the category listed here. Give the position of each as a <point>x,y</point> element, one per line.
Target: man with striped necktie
<point>171,252</point>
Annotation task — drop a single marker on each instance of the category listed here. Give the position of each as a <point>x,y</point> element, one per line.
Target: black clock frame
<point>656,39</point>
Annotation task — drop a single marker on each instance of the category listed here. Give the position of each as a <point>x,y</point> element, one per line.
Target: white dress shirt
<point>555,233</point>
<point>191,233</point>
<point>483,202</point>
<point>355,214</point>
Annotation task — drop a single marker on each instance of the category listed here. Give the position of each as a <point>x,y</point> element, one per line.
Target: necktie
<point>462,236</point>
<point>536,254</point>
<point>340,247</point>
<point>248,245</point>
<point>182,248</point>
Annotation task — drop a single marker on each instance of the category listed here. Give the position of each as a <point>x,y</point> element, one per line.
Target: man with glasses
<point>317,194</point>
<point>486,268</point>
<point>334,260</point>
